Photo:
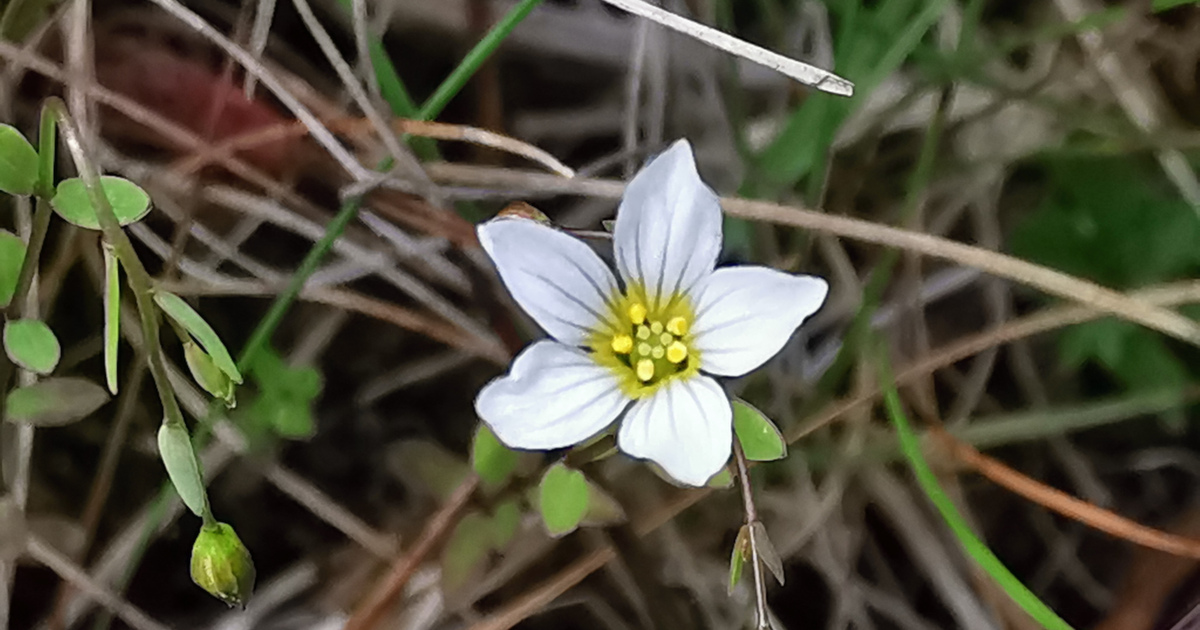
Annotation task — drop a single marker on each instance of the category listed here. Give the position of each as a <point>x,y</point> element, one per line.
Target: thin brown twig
<point>1073,508</point>
<point>539,596</point>
<point>381,598</point>
<point>78,578</point>
<point>1043,278</point>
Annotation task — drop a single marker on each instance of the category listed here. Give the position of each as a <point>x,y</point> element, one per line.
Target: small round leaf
<point>18,163</point>
<point>466,549</point>
<point>492,460</point>
<point>506,519</point>
<point>562,499</point>
<point>761,440</point>
<point>54,402</point>
<point>12,256</point>
<point>71,201</point>
<point>32,345</point>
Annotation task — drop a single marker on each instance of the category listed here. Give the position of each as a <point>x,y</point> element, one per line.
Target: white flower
<point>644,346</point>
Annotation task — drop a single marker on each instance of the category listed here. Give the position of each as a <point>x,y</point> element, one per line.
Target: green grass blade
<point>454,83</point>
<point>974,547</point>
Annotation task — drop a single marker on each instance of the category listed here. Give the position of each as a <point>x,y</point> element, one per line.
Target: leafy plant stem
<point>139,279</point>
<point>760,586</point>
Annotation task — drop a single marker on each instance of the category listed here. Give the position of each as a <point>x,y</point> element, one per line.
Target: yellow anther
<point>666,339</point>
<point>644,349</point>
<point>637,313</point>
<point>656,327</point>
<point>643,333</point>
<point>678,326</point>
<point>645,369</point>
<point>677,352</point>
<point>622,344</point>
<point>657,352</point>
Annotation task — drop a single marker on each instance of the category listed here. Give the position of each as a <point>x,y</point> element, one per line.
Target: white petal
<point>556,278</point>
<point>554,396</point>
<point>668,232</point>
<point>686,427</point>
<point>745,314</point>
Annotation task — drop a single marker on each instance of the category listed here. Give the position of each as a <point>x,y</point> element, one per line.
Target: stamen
<point>637,313</point>
<point>678,326</point>
<point>677,352</point>
<point>643,333</point>
<point>622,344</point>
<point>644,349</point>
<point>645,369</point>
<point>656,327</point>
<point>657,352</point>
<point>666,339</point>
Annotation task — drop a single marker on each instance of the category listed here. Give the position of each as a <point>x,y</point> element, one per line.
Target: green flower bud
<point>207,374</point>
<point>221,564</point>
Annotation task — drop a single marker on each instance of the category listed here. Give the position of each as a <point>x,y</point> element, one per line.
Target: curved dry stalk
<point>1043,278</point>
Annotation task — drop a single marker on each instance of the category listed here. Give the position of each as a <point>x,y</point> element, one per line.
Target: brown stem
<point>385,592</point>
<point>760,585</point>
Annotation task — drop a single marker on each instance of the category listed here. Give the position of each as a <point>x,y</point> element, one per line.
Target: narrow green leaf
<point>54,402</point>
<point>112,316</point>
<point>129,202</point>
<point>12,256</point>
<point>760,438</point>
<point>32,345</point>
<point>179,458</point>
<point>976,548</point>
<point>186,316</point>
<point>506,519</point>
<point>741,551</point>
<point>562,499</point>
<point>18,162</point>
<point>466,549</point>
<point>492,460</point>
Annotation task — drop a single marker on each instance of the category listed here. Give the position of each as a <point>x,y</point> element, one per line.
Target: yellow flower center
<point>646,348</point>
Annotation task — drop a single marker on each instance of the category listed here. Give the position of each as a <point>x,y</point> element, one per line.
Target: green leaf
<point>54,402</point>
<point>186,316</point>
<point>492,460</point>
<point>1163,5</point>
<point>129,202</point>
<point>179,458</point>
<point>741,552</point>
<point>32,345</point>
<point>12,256</point>
<point>466,549</point>
<point>506,519</point>
<point>274,374</point>
<point>112,316</point>
<point>562,499</point>
<point>207,374</point>
<point>287,416</point>
<point>761,440</point>
<point>723,479</point>
<point>18,163</point>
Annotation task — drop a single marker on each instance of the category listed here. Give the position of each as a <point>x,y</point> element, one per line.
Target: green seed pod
<point>207,374</point>
<point>221,564</point>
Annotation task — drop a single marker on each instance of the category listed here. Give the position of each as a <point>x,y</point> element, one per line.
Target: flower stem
<point>760,586</point>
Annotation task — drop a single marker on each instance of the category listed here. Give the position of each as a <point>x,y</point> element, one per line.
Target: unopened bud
<point>221,564</point>
<point>207,374</point>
